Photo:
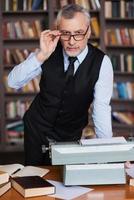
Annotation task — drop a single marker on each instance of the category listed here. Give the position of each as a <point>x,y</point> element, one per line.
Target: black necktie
<point>70,70</point>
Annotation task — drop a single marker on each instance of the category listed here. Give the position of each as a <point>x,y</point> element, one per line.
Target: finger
<point>49,32</point>
<point>45,31</point>
<point>49,36</point>
<point>55,41</point>
<point>55,32</point>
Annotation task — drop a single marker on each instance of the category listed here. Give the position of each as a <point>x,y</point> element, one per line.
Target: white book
<point>98,4</point>
<point>108,9</point>
<point>6,5</point>
<point>122,63</point>
<point>20,170</point>
<point>4,188</point>
<point>118,36</point>
<point>4,177</point>
<point>14,124</point>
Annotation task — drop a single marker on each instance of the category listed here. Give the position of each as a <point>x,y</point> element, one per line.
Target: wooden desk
<point>109,192</point>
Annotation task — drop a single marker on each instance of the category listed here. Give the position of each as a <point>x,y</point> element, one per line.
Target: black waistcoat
<point>60,110</point>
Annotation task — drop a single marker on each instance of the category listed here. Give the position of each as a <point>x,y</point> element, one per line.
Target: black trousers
<point>33,142</point>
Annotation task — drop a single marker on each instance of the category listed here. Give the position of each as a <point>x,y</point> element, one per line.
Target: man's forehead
<point>78,17</point>
<point>73,25</point>
<point>73,30</point>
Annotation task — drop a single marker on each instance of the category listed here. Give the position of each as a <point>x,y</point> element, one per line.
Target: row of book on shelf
<point>122,62</point>
<point>119,36</point>
<point>16,109</point>
<point>27,180</point>
<point>25,5</point>
<point>31,87</point>
<point>23,29</point>
<point>123,117</point>
<point>14,5</point>
<point>15,56</point>
<point>15,130</point>
<point>89,5</point>
<point>121,9</point>
<point>15,135</point>
<point>31,5</point>
<point>123,90</point>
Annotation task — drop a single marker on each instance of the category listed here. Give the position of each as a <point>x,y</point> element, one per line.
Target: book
<point>4,177</point>
<point>123,117</point>
<point>32,186</point>
<point>95,26</point>
<point>14,124</point>
<point>4,187</point>
<point>36,4</point>
<point>63,3</point>
<point>131,182</point>
<point>20,170</point>
<point>108,9</point>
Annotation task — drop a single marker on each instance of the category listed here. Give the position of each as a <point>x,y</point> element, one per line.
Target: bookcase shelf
<point>122,126</point>
<point>122,105</point>
<point>118,19</point>
<point>124,76</point>
<point>20,94</point>
<point>22,97</point>
<point>129,74</point>
<point>94,38</point>
<point>123,101</point>
<point>11,148</point>
<point>119,25</point>
<point>120,47</point>
<point>21,12</point>
<point>9,120</point>
<point>11,44</point>
<point>27,40</point>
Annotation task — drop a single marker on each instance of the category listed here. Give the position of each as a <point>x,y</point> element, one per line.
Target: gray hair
<point>69,11</point>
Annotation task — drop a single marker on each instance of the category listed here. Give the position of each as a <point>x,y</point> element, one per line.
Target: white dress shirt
<point>101,113</point>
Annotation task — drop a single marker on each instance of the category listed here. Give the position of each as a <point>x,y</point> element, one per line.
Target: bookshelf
<point>103,19</point>
<point>21,27</point>
<point>119,44</point>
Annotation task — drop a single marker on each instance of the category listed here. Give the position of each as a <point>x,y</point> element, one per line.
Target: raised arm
<point>31,67</point>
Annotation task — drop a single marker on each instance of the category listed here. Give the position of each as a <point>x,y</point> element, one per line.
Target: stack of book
<point>28,181</point>
<point>5,185</point>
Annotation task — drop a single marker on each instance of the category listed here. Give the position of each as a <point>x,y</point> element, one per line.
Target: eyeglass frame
<point>73,35</point>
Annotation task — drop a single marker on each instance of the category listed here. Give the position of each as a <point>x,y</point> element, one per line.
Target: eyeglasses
<point>76,37</point>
